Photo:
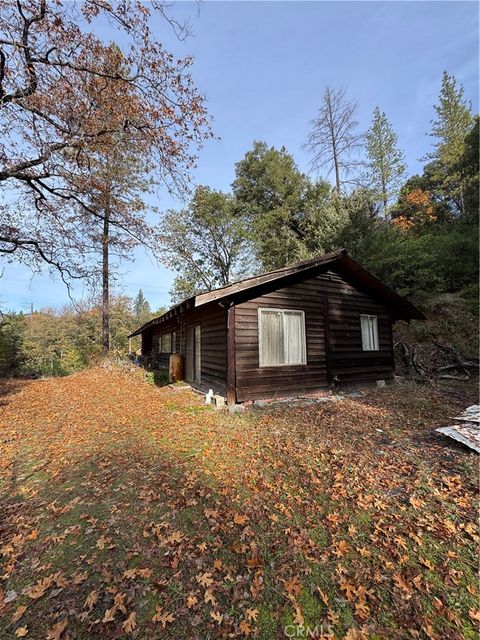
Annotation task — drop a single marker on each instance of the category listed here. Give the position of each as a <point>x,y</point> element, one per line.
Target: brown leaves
<point>293,587</point>
<point>55,632</point>
<point>192,600</point>
<point>388,535</point>
<point>130,624</point>
<point>19,611</point>
<point>163,617</point>
<point>205,579</point>
<point>216,616</point>
<point>38,589</point>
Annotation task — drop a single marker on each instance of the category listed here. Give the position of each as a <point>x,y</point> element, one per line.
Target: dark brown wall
<point>172,325</point>
<point>332,350</point>
<point>213,321</point>
<point>254,382</point>
<point>347,360</point>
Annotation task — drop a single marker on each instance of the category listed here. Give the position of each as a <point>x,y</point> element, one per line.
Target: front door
<point>193,355</point>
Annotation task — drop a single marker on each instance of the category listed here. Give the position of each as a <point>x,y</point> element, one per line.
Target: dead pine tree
<point>334,140</point>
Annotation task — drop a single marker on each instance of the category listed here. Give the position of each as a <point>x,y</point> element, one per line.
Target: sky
<point>263,67</point>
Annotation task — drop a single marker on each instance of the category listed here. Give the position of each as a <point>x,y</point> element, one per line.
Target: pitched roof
<point>404,309</point>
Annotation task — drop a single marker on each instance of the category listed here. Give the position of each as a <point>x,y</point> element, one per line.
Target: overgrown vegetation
<point>133,511</point>
<point>54,342</point>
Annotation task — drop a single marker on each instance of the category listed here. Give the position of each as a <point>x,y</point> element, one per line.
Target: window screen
<point>281,337</point>
<point>369,333</point>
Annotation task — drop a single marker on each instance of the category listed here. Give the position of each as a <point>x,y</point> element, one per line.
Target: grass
<point>148,515</point>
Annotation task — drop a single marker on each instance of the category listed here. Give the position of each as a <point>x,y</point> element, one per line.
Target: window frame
<point>301,312</point>
<point>376,342</point>
<point>162,339</point>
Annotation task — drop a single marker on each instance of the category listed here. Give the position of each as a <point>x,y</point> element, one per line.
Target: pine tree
<point>451,128</point>
<point>141,307</point>
<point>385,161</point>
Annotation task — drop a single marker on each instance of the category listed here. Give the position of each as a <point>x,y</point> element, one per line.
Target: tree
<point>451,128</point>
<point>281,204</point>
<point>141,308</point>
<point>385,161</point>
<point>468,169</point>
<point>49,60</point>
<point>12,330</point>
<point>416,209</point>
<point>333,139</point>
<point>205,244</point>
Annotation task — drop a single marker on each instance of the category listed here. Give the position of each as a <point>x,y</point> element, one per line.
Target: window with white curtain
<point>166,343</point>
<point>369,332</point>
<point>281,337</point>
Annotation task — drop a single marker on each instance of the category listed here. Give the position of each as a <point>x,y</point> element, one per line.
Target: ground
<point>133,511</point>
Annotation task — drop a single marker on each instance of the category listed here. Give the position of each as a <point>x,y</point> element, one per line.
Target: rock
<point>10,596</point>
<point>236,408</point>
<point>381,383</point>
<point>219,401</point>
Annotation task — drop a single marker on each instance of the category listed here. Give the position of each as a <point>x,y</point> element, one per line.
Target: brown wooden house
<point>289,332</point>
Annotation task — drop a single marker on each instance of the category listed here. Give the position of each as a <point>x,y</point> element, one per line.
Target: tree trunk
<point>105,281</point>
<point>334,144</point>
<point>384,198</point>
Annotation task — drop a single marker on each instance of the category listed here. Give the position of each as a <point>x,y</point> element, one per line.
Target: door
<point>194,354</point>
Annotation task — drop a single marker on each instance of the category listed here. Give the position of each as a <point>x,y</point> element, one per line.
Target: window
<point>155,344</point>
<point>369,333</point>
<point>281,337</point>
<point>174,342</point>
<point>166,343</point>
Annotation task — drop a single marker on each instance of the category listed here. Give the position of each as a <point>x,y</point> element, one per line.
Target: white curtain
<point>294,337</point>
<point>271,328</point>
<point>369,333</point>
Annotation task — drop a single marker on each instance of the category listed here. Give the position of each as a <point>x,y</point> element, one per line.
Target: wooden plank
<point>231,365</point>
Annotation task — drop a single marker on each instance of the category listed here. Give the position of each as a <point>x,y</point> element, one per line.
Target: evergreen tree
<point>206,244</point>
<point>283,207</point>
<point>141,308</point>
<point>385,161</point>
<point>451,128</point>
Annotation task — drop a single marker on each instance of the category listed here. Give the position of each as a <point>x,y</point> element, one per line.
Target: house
<point>289,332</point>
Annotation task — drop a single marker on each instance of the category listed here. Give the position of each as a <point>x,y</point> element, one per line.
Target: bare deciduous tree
<point>333,139</point>
<point>49,57</point>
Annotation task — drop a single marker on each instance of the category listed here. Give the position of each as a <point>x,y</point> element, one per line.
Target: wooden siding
<point>334,348</point>
<point>212,319</point>
<point>346,358</point>
<point>172,326</point>
<point>254,382</point>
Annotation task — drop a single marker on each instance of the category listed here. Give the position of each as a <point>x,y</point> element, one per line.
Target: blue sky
<point>263,66</point>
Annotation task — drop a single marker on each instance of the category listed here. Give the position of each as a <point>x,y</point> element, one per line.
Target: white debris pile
<point>466,429</point>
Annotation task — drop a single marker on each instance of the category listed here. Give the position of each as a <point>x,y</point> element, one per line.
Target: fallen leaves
<point>130,624</point>
<point>163,617</point>
<point>205,579</point>
<point>235,517</point>
<point>19,611</point>
<point>55,632</point>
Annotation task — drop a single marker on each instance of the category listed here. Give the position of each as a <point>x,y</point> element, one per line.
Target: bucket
<point>175,367</point>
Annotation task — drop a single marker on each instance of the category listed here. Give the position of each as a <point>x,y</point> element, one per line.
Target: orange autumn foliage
<point>418,210</point>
